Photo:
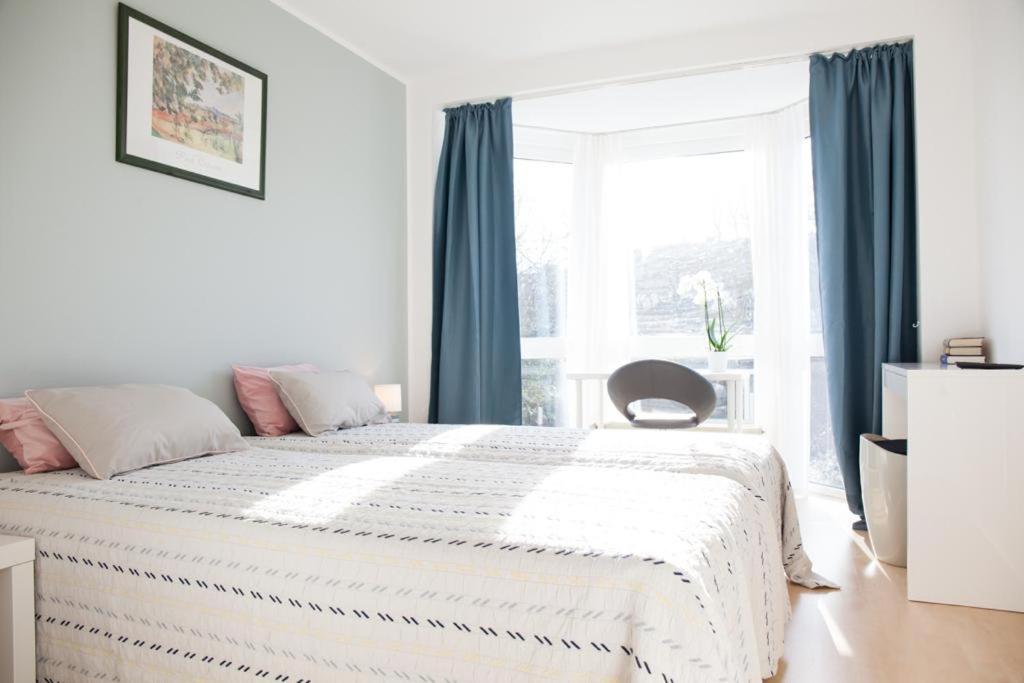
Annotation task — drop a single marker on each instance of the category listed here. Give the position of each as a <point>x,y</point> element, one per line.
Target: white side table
<point>737,383</point>
<point>17,610</point>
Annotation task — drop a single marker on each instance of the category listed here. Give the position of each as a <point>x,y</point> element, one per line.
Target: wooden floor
<point>870,632</point>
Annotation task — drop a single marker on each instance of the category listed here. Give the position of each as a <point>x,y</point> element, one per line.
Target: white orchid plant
<point>719,335</point>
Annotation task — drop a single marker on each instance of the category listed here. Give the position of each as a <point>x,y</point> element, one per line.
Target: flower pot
<point>718,361</point>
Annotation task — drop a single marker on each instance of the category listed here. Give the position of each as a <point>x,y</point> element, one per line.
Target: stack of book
<point>964,349</point>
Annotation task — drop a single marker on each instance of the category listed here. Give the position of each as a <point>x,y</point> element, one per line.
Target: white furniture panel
<point>965,481</point>
<point>894,401</point>
<point>17,610</point>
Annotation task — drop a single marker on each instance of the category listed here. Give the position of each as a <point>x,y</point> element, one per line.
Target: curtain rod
<point>738,117</point>
<point>677,73</point>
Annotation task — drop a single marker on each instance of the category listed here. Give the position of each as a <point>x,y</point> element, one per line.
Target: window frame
<point>693,139</point>
<point>686,140</point>
<point>539,144</point>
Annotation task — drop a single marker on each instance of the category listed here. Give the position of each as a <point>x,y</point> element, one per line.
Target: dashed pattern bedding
<point>379,560</point>
<point>747,459</point>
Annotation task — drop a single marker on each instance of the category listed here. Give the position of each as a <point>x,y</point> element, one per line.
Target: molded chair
<point>653,379</point>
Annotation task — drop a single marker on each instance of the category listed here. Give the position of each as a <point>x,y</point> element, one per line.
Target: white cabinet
<point>965,481</point>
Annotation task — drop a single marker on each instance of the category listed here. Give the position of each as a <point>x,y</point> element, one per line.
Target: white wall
<point>948,213</point>
<point>113,273</point>
<point>999,37</point>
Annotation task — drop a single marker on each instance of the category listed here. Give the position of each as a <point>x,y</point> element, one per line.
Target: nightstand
<point>17,610</point>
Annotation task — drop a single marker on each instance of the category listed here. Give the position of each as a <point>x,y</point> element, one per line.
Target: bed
<point>420,553</point>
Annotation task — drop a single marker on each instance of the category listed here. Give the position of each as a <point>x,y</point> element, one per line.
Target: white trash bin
<point>883,482</point>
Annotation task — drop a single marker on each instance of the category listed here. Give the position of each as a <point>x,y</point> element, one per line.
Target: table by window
<point>737,388</point>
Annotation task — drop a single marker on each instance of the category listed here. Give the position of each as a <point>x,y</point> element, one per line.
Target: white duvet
<point>419,553</point>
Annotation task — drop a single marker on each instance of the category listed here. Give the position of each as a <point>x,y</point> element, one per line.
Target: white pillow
<point>324,401</point>
<point>114,429</point>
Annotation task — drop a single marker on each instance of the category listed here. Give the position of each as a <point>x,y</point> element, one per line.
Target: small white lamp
<point>391,396</point>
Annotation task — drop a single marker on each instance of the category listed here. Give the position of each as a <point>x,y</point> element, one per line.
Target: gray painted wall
<point>111,273</point>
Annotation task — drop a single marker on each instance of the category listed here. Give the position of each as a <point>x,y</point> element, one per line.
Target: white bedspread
<point>413,553</point>
<point>747,459</point>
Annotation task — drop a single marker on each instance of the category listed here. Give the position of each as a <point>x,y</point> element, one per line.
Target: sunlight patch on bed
<point>460,436</point>
<point>570,508</point>
<point>326,496</point>
<point>594,440</point>
<point>547,516</point>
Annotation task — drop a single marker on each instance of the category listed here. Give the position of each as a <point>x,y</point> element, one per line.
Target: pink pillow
<point>24,434</point>
<point>259,399</point>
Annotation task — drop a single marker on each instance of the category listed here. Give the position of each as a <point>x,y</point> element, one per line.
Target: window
<point>683,199</point>
<point>543,204</point>
<point>543,196</point>
<point>689,223</point>
<point>543,387</point>
<point>824,465</point>
<point>683,202</point>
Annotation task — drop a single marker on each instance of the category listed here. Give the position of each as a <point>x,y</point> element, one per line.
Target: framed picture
<point>188,110</point>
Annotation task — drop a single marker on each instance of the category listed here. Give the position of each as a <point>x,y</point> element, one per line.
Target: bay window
<point>634,223</point>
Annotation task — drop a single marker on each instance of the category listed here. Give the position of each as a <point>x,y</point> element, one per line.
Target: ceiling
<point>413,39</point>
<point>705,97</point>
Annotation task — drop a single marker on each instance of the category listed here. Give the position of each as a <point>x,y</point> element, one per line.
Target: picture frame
<point>187,109</point>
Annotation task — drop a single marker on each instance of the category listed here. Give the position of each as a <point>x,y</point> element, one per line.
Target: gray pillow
<point>114,429</point>
<point>324,401</point>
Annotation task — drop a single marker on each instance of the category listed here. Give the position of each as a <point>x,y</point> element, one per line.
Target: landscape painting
<point>188,110</point>
<point>196,103</point>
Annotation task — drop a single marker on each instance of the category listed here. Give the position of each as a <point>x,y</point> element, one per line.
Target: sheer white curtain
<point>598,280</point>
<point>779,252</point>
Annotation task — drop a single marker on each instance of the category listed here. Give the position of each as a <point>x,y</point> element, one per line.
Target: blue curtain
<point>476,368</point>
<point>862,142</point>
